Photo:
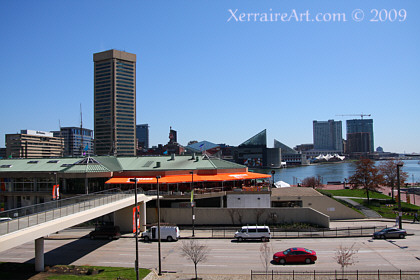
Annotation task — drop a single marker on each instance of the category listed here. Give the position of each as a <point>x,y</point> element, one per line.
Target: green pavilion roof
<point>114,164</point>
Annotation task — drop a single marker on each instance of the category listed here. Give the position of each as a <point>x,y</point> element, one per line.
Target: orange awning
<point>187,178</point>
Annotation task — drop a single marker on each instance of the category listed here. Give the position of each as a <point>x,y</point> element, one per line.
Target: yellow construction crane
<point>361,115</point>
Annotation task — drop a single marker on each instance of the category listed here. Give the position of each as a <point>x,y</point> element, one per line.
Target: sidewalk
<point>369,213</point>
<point>184,276</point>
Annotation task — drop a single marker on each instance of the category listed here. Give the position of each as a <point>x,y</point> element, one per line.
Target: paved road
<point>226,256</point>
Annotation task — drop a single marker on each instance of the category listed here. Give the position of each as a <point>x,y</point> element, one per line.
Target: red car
<point>295,255</point>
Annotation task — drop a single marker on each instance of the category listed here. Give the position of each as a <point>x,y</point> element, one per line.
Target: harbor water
<point>333,172</point>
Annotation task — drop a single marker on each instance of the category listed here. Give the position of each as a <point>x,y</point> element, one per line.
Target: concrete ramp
<point>39,230</point>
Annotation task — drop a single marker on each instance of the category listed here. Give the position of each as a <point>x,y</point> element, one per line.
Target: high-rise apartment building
<point>33,144</point>
<point>115,103</point>
<point>360,136</point>
<point>77,141</point>
<point>328,135</point>
<point>142,132</point>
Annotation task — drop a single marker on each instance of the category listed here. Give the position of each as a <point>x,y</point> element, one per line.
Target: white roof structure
<point>281,184</point>
<point>329,157</point>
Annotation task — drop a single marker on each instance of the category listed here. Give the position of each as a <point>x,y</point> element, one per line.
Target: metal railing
<point>228,232</point>
<point>336,275</point>
<point>36,214</point>
<point>329,232</point>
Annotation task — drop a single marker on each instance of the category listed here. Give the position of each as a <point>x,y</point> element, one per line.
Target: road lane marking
<point>125,263</point>
<point>244,257</point>
<point>218,265</point>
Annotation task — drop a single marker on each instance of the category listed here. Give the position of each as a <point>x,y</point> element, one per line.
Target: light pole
<point>399,165</point>
<point>192,201</point>
<point>158,217</point>
<point>136,262</point>
<point>272,177</point>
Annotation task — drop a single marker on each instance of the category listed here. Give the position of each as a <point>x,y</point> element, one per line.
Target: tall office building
<point>142,132</point>
<point>77,141</point>
<point>33,144</point>
<point>360,136</point>
<point>173,138</point>
<point>328,135</point>
<point>115,103</point>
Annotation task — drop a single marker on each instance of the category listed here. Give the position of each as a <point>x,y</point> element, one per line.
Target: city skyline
<point>212,78</point>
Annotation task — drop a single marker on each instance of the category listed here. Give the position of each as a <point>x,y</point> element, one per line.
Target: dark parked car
<point>390,233</point>
<point>107,232</point>
<point>293,255</point>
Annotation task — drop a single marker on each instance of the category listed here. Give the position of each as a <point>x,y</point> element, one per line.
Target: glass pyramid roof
<point>284,149</point>
<point>259,139</point>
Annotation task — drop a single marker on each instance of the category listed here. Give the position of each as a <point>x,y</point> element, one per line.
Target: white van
<point>253,232</point>
<point>169,233</point>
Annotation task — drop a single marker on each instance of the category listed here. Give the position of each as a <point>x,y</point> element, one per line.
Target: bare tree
<point>240,216</point>
<point>345,256</point>
<point>272,218</point>
<point>265,256</point>
<point>258,213</point>
<point>367,176</point>
<point>194,251</point>
<point>232,213</point>
<point>388,169</point>
<point>312,182</point>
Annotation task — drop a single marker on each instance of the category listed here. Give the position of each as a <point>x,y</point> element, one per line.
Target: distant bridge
<point>37,221</point>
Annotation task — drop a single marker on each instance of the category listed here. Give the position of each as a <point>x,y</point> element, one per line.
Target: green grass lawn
<point>384,210</point>
<point>355,193</point>
<point>17,271</point>
<point>389,212</point>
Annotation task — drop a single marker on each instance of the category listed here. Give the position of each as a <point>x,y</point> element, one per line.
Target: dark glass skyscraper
<point>115,103</point>
<point>328,135</point>
<point>142,132</point>
<point>77,142</point>
<point>360,136</point>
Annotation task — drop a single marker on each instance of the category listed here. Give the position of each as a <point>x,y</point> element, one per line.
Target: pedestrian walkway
<point>369,213</point>
<point>185,276</point>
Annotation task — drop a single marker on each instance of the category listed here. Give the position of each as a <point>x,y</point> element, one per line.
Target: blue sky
<point>214,79</point>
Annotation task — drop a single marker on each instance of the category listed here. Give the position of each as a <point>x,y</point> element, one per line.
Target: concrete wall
<point>238,216</point>
<point>248,200</point>
<point>327,206</point>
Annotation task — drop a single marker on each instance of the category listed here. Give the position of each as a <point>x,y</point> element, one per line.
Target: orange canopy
<point>187,178</point>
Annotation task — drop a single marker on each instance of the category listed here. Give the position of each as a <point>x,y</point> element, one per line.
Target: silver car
<point>390,233</point>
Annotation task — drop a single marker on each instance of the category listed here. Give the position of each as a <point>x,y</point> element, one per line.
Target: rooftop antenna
<point>81,131</point>
<point>61,138</point>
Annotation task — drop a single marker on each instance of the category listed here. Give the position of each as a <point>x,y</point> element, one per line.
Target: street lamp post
<point>158,217</point>
<point>192,202</point>
<point>136,262</point>
<point>399,196</point>
<point>272,177</point>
